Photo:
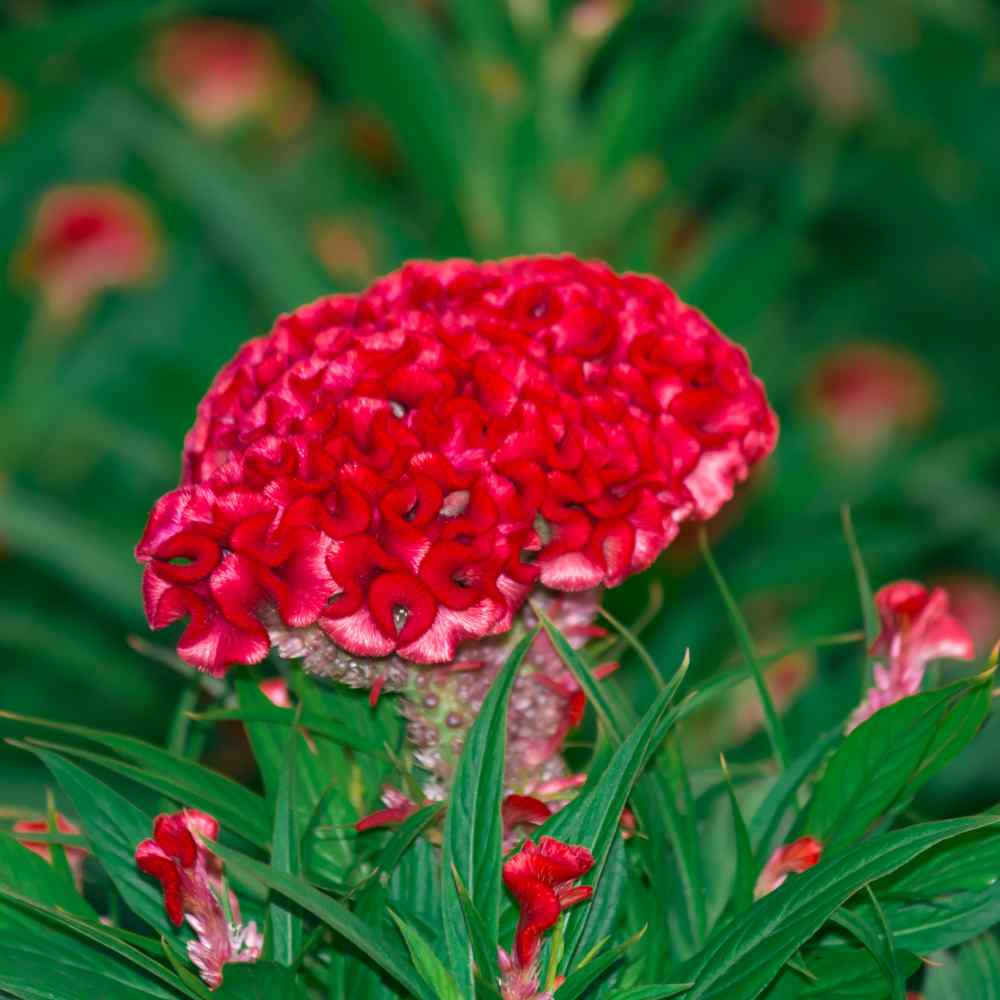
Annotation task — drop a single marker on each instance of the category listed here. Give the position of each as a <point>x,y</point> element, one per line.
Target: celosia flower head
<point>219,73</point>
<point>798,856</point>
<point>399,468</point>
<point>540,877</point>
<point>85,240</point>
<point>193,888</point>
<point>917,627</point>
<point>75,856</point>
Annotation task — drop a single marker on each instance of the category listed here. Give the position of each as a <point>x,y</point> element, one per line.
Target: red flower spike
<point>917,627</point>
<point>399,468</point>
<point>540,878</point>
<point>796,857</point>
<point>191,879</point>
<point>376,691</point>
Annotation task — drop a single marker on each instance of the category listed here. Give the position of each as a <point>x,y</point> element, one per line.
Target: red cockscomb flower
<point>87,239</point>
<point>917,627</point>
<point>191,878</point>
<point>796,857</point>
<point>75,856</point>
<point>220,73</point>
<point>540,877</point>
<point>392,472</point>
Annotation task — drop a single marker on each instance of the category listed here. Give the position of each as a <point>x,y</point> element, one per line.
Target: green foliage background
<point>683,142</point>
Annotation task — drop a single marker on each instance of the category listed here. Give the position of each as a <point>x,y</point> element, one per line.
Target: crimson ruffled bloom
<point>193,888</point>
<point>85,240</point>
<point>393,472</point>
<point>917,627</point>
<point>220,73</point>
<point>75,856</point>
<point>798,856</point>
<point>540,877</point>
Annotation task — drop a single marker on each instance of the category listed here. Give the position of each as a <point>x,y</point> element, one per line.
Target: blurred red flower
<point>866,393</point>
<point>797,22</point>
<point>87,239</point>
<point>220,73</point>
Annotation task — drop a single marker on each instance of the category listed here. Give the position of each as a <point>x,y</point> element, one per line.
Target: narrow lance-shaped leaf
<point>285,924</point>
<point>744,956</point>
<point>473,834</point>
<point>371,942</point>
<point>886,759</point>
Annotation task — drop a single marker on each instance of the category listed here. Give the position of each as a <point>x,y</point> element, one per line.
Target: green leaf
<point>772,721</point>
<point>745,876</point>
<point>437,977</point>
<point>473,832</point>
<point>877,941</point>
<point>973,973</point>
<point>865,596</point>
<point>286,857</point>
<point>484,950</point>
<point>48,953</point>
<point>367,940</point>
<point>593,818</point>
<point>883,762</point>
<point>945,897</point>
<point>388,61</point>
<point>745,955</point>
<point>578,982</point>
<point>661,992</point>
<point>766,820</point>
<point>257,981</point>
<point>839,973</point>
<point>24,872</point>
<point>116,828</point>
<point>178,778</point>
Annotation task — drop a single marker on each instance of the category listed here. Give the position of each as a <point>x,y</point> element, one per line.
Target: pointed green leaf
<point>473,832</point>
<point>115,827</point>
<point>885,760</point>
<point>367,940</point>
<point>745,955</point>
<point>437,977</point>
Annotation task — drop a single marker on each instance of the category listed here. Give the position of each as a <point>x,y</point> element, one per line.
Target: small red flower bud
<point>796,857</point>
